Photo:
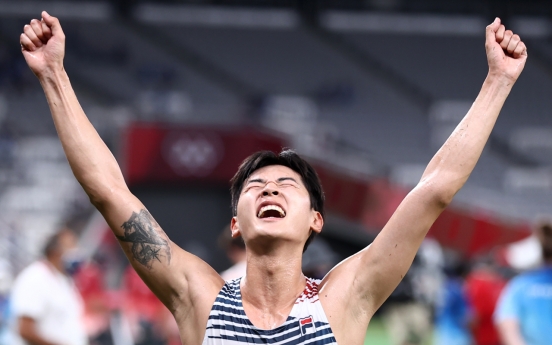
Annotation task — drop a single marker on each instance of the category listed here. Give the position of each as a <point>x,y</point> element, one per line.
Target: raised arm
<point>167,269</point>
<point>376,271</point>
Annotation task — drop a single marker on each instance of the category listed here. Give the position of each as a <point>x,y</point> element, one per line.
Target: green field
<point>377,334</point>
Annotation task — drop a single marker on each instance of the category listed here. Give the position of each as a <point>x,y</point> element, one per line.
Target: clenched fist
<point>43,45</point>
<point>506,53</point>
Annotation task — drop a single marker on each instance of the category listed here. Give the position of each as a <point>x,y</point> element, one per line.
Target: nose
<point>270,189</point>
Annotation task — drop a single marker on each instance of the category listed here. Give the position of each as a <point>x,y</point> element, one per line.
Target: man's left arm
<point>375,272</point>
<point>508,314</point>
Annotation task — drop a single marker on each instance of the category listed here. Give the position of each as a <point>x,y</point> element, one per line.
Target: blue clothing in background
<point>452,315</point>
<point>528,300</point>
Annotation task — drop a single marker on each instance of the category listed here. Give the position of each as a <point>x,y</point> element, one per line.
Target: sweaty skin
<point>353,290</point>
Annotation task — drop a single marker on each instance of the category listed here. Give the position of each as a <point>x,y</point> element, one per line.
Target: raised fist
<point>506,53</point>
<point>43,45</point>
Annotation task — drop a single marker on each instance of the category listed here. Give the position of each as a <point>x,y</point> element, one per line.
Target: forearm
<point>35,339</point>
<point>27,331</point>
<point>509,333</point>
<point>91,161</point>
<point>453,163</point>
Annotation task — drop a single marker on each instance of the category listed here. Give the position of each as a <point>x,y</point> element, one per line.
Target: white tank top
<point>306,323</point>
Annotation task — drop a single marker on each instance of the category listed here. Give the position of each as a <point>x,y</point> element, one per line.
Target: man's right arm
<point>164,267</point>
<point>508,313</point>
<point>27,331</point>
<point>510,333</point>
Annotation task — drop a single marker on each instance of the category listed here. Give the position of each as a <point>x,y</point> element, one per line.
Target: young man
<point>524,312</point>
<point>277,205</point>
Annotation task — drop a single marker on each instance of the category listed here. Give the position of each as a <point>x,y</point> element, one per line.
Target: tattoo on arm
<point>144,234</point>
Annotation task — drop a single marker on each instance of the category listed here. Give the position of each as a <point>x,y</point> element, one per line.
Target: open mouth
<point>271,211</point>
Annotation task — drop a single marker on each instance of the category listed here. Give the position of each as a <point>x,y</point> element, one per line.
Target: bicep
<point>164,267</point>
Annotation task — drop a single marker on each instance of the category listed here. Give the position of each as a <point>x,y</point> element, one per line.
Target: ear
<point>234,226</point>
<point>317,222</point>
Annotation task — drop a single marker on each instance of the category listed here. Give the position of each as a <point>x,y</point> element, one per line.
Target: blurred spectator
<point>150,321</point>
<point>483,287</point>
<point>235,249</point>
<point>90,282</point>
<point>5,285</point>
<point>408,312</point>
<point>46,306</point>
<point>452,314</point>
<point>524,311</point>
<point>407,320</point>
<point>428,275</point>
<point>318,259</point>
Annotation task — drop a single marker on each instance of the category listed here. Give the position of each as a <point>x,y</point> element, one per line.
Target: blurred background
<point>182,91</point>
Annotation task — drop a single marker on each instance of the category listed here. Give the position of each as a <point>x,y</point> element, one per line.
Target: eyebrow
<point>286,178</point>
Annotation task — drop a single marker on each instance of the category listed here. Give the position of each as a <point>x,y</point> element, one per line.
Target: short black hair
<point>287,158</point>
<point>544,234</point>
<point>52,243</point>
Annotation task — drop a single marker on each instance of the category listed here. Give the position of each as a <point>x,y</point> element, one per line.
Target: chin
<point>273,232</point>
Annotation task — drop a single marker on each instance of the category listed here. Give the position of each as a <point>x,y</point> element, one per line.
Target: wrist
<point>51,74</point>
<point>500,78</point>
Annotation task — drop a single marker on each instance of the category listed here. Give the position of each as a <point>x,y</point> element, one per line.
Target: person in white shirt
<point>235,249</point>
<point>46,306</point>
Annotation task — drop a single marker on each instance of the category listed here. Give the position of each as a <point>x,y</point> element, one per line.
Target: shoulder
<point>34,272</point>
<point>531,277</point>
<point>521,284</point>
<point>230,288</point>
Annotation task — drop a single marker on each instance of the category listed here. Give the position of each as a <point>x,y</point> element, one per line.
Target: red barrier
<point>161,153</point>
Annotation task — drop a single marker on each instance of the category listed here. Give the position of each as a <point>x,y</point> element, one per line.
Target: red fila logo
<point>307,325</point>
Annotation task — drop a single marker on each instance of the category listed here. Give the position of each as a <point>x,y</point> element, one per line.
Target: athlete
<point>277,205</point>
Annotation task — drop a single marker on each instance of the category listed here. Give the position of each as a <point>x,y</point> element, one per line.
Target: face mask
<point>72,261</point>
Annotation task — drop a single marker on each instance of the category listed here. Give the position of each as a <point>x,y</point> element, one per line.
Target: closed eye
<point>287,184</point>
<point>282,182</point>
<point>253,187</point>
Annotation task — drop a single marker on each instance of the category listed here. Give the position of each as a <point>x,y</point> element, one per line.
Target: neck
<point>56,263</point>
<point>273,281</point>
<point>547,255</point>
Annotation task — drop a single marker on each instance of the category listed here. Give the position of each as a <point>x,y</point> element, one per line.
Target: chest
<point>302,322</point>
<point>61,298</point>
<point>537,296</point>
